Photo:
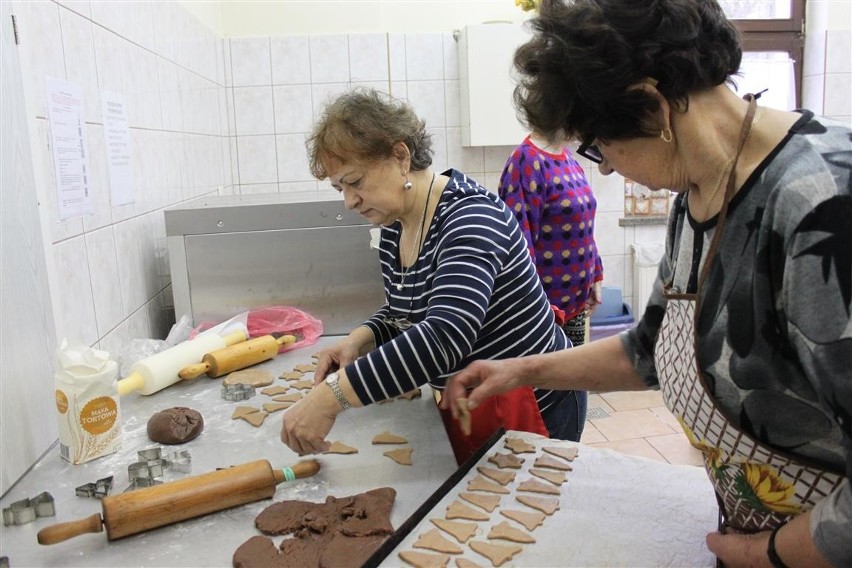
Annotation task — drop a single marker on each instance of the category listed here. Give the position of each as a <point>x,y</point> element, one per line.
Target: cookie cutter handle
<point>64,531</point>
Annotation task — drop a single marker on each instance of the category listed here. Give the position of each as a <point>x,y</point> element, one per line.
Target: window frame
<point>781,35</point>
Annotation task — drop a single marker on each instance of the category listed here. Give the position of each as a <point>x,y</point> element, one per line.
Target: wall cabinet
<point>488,116</point>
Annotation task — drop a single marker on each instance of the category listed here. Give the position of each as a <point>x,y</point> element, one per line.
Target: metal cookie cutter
<point>150,465</point>
<point>179,461</point>
<point>26,510</point>
<point>237,392</point>
<point>99,489</point>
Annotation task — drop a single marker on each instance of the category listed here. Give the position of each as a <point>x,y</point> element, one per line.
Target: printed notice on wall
<point>118,151</point>
<point>67,126</point>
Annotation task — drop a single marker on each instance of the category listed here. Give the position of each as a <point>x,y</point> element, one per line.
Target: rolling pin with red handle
<point>236,357</point>
<point>160,505</point>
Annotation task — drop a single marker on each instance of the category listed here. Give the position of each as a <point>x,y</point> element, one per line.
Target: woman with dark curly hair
<point>748,331</point>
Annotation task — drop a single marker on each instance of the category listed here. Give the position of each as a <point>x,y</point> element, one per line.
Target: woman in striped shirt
<point>459,283</point>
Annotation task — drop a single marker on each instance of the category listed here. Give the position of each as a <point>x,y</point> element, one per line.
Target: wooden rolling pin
<point>154,373</point>
<point>236,357</point>
<point>160,505</point>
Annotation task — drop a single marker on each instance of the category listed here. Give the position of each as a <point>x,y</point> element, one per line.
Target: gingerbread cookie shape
<point>434,540</point>
<point>291,376</point>
<point>292,397</point>
<point>272,391</point>
<point>498,554</point>
<point>338,447</point>
<point>411,395</point>
<point>461,531</point>
<point>518,446</point>
<point>465,563</point>
<point>547,505</point>
<point>487,502</point>
<point>554,477</point>
<point>271,407</point>
<point>388,438</point>
<point>458,510</point>
<point>564,453</point>
<point>506,461</point>
<point>401,456</point>
<point>536,486</point>
<point>306,367</point>
<point>255,418</point>
<point>241,411</point>
<point>505,531</point>
<point>529,520</point>
<point>501,477</point>
<point>302,385</point>
<point>479,483</point>
<point>424,559</point>
<point>550,463</point>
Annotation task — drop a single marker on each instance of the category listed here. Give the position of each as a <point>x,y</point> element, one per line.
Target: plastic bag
<point>278,321</point>
<point>648,254</point>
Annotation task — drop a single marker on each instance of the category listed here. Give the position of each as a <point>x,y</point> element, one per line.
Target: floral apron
<point>758,488</point>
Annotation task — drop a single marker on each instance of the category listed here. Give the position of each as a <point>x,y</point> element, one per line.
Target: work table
<point>212,539</point>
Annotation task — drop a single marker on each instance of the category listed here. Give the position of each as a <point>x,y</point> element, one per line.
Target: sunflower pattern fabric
<point>772,330</point>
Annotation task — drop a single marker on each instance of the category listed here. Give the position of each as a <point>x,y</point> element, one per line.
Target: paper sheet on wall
<point>68,142</point>
<point>118,149</point>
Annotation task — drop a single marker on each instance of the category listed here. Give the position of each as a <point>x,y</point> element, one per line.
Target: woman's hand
<point>335,358</point>
<point>486,378</point>
<point>308,422</point>
<point>595,298</point>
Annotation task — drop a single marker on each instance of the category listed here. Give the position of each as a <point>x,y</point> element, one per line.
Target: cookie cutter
<point>27,510</point>
<point>237,392</point>
<point>99,489</point>
<point>152,464</point>
<point>180,460</point>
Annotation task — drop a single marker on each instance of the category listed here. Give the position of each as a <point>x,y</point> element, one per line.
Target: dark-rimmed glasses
<point>590,152</point>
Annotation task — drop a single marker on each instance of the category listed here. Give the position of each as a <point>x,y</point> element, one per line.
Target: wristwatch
<point>333,381</point>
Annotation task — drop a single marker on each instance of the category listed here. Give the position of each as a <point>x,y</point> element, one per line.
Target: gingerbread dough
<point>518,446</point>
<point>536,486</point>
<point>546,505</point>
<point>241,411</point>
<point>175,425</point>
<point>550,463</point>
<point>479,483</point>
<point>306,367</point>
<point>463,409</point>
<point>487,502</point>
<point>465,563</point>
<point>255,418</point>
<point>564,453</point>
<point>291,376</point>
<point>303,385</point>
<point>340,448</point>
<point>293,397</point>
<point>554,477</point>
<point>458,510</point>
<point>388,438</point>
<point>272,391</point>
<point>501,477</point>
<point>411,395</point>
<point>271,407</point>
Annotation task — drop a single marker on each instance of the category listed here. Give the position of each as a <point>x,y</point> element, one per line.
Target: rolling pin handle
<point>194,371</point>
<point>133,381</point>
<point>301,470</point>
<point>64,531</point>
<point>286,340</point>
<point>234,338</point>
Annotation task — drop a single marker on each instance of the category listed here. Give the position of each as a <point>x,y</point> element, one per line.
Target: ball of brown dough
<point>175,425</point>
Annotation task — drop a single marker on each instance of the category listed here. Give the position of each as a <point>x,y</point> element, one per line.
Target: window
<point>772,33</point>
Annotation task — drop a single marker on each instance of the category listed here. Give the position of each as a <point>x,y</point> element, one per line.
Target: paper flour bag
<point>87,403</point>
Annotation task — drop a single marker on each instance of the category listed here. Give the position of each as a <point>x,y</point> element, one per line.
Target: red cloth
<point>559,315</point>
<point>514,410</point>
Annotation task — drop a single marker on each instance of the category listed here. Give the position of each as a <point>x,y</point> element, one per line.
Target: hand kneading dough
<point>175,425</point>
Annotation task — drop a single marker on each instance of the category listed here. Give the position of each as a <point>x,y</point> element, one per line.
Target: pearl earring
<point>407,185</point>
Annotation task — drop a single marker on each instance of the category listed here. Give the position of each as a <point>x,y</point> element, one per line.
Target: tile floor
<point>637,423</point>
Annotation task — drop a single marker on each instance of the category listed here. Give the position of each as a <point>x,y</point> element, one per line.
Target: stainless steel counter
<point>211,540</point>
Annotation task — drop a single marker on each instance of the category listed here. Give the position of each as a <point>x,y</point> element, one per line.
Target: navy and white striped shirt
<point>473,293</point>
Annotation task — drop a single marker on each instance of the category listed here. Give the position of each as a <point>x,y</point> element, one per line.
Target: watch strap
<point>333,381</point>
<point>772,553</point>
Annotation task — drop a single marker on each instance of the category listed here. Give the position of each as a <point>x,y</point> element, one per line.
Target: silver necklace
<point>415,249</point>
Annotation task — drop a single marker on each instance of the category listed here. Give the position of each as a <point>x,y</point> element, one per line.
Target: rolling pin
<point>236,357</point>
<point>158,371</point>
<point>160,505</point>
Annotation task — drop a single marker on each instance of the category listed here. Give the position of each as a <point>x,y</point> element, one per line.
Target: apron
<point>758,488</point>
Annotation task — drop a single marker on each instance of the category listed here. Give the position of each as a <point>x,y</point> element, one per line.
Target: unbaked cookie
<point>501,477</point>
<point>388,438</point>
<point>434,540</point>
<point>506,461</point>
<point>564,453</point>
<point>487,502</point>
<point>518,446</point>
<point>528,519</point>
<point>498,554</point>
<point>459,530</point>
<point>554,477</point>
<point>272,391</point>
<point>458,510</point>
<point>340,448</point>
<point>536,486</point>
<point>547,505</point>
<point>505,531</point>
<point>479,483</point>
<point>401,456</point>
<point>550,463</point>
<point>424,559</point>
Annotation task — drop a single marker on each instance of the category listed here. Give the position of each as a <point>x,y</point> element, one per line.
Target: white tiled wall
<point>209,113</point>
<point>278,86</point>
<point>109,274</point>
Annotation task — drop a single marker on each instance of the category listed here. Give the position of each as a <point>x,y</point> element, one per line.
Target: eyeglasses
<point>591,152</point>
